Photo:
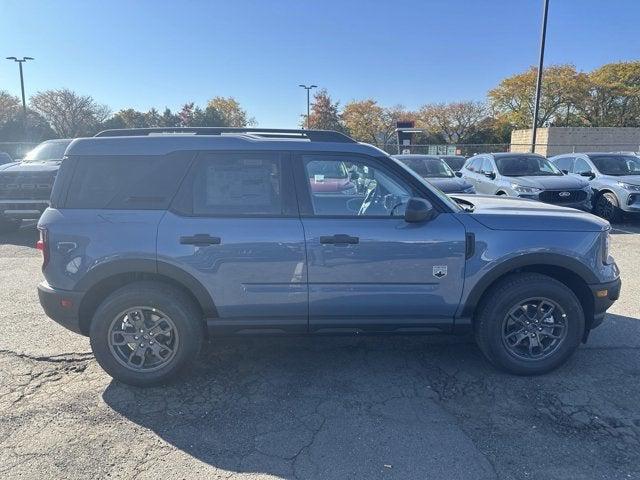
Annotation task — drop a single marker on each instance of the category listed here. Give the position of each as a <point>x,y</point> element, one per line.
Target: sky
<point>144,54</point>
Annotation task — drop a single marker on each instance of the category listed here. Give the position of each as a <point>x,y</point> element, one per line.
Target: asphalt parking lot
<point>325,408</point>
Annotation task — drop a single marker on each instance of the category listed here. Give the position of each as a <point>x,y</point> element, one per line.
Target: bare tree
<point>455,122</point>
<point>69,114</point>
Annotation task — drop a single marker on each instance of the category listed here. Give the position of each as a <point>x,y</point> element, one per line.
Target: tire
<point>158,300</point>
<point>607,207</point>
<point>9,225</point>
<point>492,321</point>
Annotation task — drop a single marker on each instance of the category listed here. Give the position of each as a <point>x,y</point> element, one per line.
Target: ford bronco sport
<point>157,240</point>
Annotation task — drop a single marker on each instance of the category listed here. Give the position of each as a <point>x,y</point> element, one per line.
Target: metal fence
<point>470,149</point>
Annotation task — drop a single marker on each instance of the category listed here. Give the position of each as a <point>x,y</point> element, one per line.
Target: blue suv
<point>157,240</point>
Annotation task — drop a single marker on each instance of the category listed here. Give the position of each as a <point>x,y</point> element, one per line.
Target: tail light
<point>43,245</point>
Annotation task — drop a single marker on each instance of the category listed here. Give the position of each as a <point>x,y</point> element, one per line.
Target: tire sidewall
<point>610,199</point>
<point>170,303</point>
<point>497,309</point>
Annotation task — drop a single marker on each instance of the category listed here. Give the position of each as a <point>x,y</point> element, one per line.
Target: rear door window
<point>125,182</point>
<point>236,184</point>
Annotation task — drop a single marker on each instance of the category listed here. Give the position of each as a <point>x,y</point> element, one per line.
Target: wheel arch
<point>104,280</point>
<point>570,272</point>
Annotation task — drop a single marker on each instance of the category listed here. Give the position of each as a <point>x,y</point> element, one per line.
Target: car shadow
<point>311,407</point>
<point>393,407</point>
<point>26,236</point>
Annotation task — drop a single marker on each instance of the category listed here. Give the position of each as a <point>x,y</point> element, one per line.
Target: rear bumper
<point>61,306</point>
<point>604,295</point>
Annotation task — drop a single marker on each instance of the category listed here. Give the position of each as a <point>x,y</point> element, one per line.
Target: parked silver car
<point>614,178</point>
<point>526,175</point>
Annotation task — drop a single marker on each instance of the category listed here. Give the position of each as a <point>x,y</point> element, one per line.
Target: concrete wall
<point>555,140</point>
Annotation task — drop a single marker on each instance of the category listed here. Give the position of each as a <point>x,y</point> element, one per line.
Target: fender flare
<point>154,267</point>
<point>521,261</point>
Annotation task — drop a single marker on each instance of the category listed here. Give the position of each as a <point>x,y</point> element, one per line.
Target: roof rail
<point>312,135</point>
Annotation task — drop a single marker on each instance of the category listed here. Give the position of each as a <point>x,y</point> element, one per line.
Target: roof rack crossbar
<point>312,135</point>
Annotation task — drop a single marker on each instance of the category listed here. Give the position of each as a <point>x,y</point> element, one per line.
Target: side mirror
<point>588,174</point>
<point>566,172</point>
<point>458,174</point>
<point>418,210</point>
<point>491,175</point>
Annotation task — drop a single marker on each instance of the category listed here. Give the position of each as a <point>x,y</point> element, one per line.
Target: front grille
<point>26,185</point>
<point>560,196</point>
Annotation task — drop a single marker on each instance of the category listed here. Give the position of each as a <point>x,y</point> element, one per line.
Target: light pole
<point>308,89</point>
<point>24,101</point>
<point>536,105</point>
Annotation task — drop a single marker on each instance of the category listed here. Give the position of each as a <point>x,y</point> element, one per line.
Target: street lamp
<point>536,105</point>
<point>24,101</point>
<point>308,89</point>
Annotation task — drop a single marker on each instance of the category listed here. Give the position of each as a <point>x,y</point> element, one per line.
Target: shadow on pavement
<point>312,408</point>
<point>26,236</point>
<point>396,407</point>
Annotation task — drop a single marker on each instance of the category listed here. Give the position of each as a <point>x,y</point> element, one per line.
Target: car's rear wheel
<point>529,324</point>
<point>146,333</point>
<point>607,207</point>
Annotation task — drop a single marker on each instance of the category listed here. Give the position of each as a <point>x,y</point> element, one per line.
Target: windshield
<point>441,195</point>
<point>617,164</point>
<point>429,167</point>
<point>47,151</point>
<point>525,166</point>
<point>327,169</point>
<point>455,162</point>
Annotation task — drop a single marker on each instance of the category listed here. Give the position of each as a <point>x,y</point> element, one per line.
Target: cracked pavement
<point>316,408</point>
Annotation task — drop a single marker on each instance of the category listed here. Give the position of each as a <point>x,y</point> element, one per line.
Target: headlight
<point>606,242</point>
<point>523,189</point>
<point>629,186</point>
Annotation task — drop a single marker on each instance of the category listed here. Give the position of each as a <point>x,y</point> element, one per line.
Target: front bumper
<point>62,306</point>
<point>23,209</point>
<point>604,295</point>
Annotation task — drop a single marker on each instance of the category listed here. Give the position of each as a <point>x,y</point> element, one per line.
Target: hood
<point>4,166</point>
<point>449,185</point>
<point>632,179</point>
<point>511,213</point>
<point>550,182</point>
<point>48,166</point>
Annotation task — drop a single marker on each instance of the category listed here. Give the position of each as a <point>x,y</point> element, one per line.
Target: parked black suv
<point>25,186</point>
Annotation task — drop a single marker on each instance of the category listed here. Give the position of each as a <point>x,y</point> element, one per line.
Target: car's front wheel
<point>529,324</point>
<point>146,333</point>
<point>607,207</point>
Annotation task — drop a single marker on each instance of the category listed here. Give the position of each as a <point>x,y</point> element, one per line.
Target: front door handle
<point>200,240</point>
<point>339,239</point>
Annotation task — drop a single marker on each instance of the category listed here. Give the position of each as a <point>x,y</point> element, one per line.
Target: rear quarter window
<point>127,182</point>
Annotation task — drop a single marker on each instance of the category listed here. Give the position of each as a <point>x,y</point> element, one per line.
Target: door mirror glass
<point>418,210</point>
<point>490,175</point>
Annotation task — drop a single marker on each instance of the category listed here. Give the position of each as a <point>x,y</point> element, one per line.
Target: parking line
<point>624,231</point>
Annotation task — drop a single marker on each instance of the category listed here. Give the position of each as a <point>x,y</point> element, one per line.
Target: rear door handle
<point>339,239</point>
<point>200,240</point>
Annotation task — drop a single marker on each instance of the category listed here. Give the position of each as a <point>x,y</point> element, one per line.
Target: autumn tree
<point>612,96</point>
<point>562,90</point>
<point>69,114</point>
<point>324,113</point>
<point>230,112</point>
<point>454,122</point>
<point>364,120</point>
